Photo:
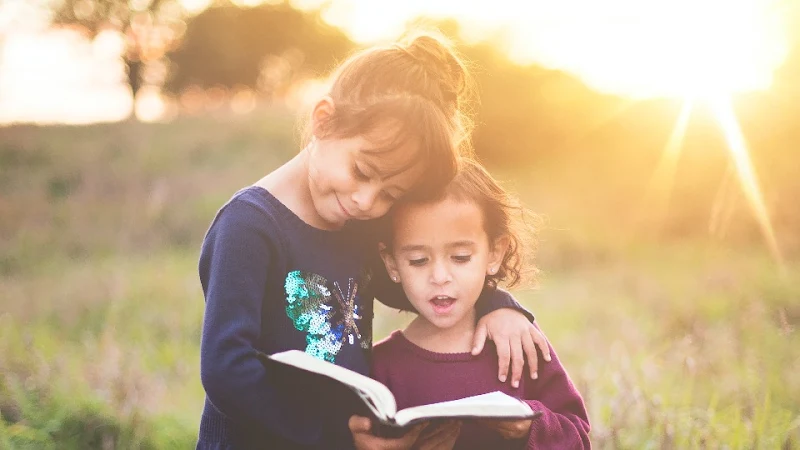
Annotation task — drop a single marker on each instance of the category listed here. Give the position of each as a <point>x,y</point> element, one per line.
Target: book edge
<point>372,399</point>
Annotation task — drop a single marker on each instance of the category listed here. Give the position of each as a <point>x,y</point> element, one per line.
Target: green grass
<point>681,343</point>
<point>103,349</point>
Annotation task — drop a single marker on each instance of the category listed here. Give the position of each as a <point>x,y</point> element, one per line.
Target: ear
<point>389,262</point>
<point>321,113</point>
<point>497,252</point>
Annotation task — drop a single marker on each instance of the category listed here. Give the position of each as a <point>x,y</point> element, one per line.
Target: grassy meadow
<point>675,342</point>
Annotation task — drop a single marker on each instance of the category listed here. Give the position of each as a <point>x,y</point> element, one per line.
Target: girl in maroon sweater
<point>444,252</point>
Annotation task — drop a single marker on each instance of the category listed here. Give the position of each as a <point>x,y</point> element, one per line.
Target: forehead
<point>438,222</point>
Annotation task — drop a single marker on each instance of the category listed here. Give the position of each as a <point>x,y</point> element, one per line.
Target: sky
<point>632,48</point>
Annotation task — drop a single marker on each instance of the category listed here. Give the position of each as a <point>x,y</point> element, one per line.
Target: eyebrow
<point>411,248</point>
<point>460,244</point>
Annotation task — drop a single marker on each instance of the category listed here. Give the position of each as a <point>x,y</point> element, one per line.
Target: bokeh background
<point>657,138</point>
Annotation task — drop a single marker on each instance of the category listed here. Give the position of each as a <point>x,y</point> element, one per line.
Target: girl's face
<point>441,254</point>
<point>347,182</point>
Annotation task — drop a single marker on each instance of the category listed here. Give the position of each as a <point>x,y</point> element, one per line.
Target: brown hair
<point>421,86</point>
<point>503,215</point>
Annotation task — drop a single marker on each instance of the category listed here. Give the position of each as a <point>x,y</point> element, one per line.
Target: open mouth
<point>442,303</point>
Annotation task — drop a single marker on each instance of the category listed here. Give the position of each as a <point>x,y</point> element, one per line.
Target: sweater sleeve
<point>492,299</point>
<point>237,254</point>
<point>564,423</point>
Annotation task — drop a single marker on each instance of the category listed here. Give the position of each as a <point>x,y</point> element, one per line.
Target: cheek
<point>413,280</point>
<point>473,274</point>
<point>319,175</point>
<point>338,179</point>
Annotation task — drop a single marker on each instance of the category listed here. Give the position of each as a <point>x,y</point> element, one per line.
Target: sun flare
<point>634,48</point>
<point>656,199</point>
<point>668,48</point>
<point>658,194</point>
<point>743,167</point>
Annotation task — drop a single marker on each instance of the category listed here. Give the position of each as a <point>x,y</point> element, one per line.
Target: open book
<point>379,399</point>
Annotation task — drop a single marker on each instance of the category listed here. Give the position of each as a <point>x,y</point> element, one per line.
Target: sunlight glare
<point>151,106</point>
<point>195,6</point>
<point>657,196</point>
<point>725,203</point>
<point>59,76</point>
<point>635,48</point>
<point>673,48</point>
<point>724,114</point>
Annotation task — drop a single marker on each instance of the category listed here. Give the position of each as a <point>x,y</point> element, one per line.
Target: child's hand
<point>364,440</point>
<point>441,437</point>
<point>509,429</point>
<point>512,334</point>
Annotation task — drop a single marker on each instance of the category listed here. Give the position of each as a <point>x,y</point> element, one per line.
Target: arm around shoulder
<point>492,299</point>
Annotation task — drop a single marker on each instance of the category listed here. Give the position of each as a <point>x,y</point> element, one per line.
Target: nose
<point>364,198</point>
<point>440,273</point>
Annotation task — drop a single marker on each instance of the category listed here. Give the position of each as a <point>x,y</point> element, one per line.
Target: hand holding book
<point>372,435</point>
<point>366,435</point>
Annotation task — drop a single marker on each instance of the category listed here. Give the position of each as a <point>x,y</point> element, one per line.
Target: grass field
<point>686,343</point>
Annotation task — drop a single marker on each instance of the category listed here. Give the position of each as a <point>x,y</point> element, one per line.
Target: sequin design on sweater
<point>329,317</point>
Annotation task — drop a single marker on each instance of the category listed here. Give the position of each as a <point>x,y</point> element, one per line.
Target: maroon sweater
<point>418,377</point>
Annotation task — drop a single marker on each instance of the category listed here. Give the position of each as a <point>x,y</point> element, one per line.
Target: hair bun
<point>437,55</point>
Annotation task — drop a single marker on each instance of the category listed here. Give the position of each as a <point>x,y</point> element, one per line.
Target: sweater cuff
<point>492,299</point>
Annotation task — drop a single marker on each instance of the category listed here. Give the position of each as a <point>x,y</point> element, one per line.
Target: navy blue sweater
<point>274,283</point>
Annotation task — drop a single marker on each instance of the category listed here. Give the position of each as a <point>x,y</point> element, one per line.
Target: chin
<point>334,219</point>
<point>443,322</point>
<point>336,222</point>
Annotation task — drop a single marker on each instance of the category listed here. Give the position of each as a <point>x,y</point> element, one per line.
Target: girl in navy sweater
<point>445,252</point>
<point>286,262</point>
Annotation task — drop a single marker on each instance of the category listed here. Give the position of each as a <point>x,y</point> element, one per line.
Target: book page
<point>374,394</point>
<point>492,405</point>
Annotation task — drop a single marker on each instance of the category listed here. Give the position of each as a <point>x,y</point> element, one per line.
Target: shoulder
<point>385,349</point>
<point>247,214</point>
<point>389,342</point>
<point>246,233</point>
<point>249,203</point>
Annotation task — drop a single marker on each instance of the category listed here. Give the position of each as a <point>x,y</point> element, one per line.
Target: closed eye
<point>359,174</point>
<point>417,262</point>
<point>462,258</point>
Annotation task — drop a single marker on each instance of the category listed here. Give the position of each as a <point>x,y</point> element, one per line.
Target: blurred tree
<point>258,47</point>
<point>149,27</point>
